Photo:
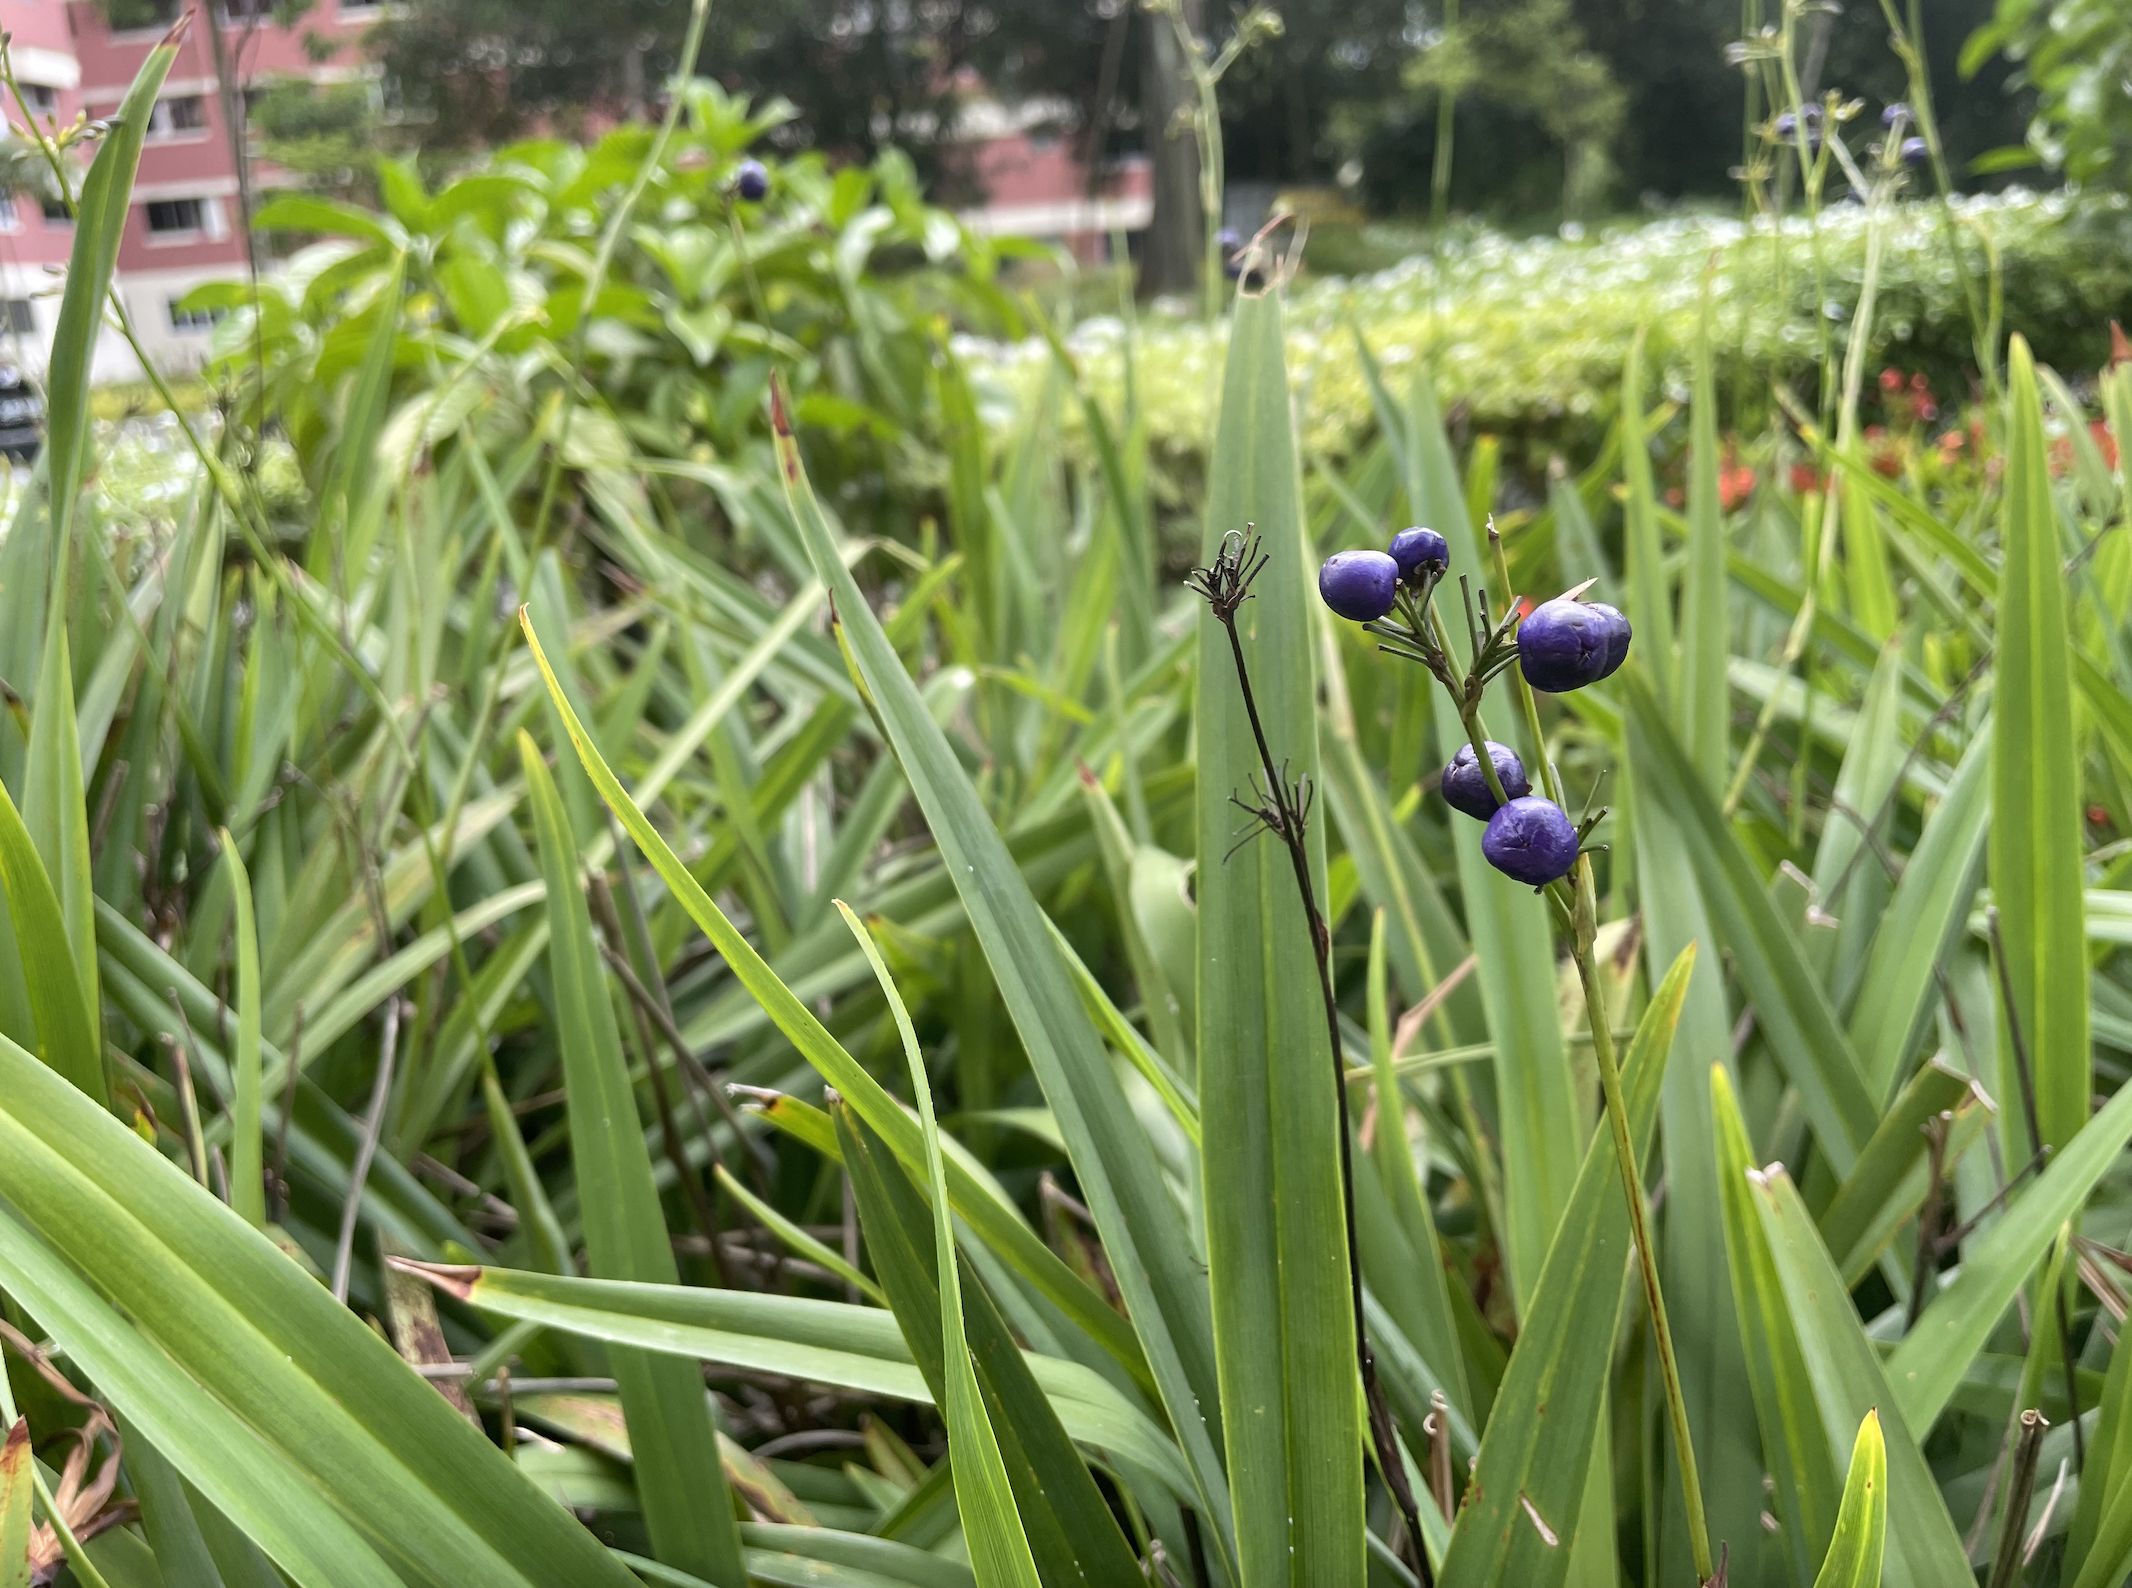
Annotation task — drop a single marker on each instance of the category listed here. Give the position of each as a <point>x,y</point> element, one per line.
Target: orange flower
<point>1735,483</point>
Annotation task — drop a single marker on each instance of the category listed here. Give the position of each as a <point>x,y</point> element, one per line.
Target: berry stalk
<point>1583,915</point>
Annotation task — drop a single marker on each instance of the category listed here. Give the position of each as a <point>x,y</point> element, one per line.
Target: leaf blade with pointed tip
<point>1854,1554</point>
<point>679,1476</point>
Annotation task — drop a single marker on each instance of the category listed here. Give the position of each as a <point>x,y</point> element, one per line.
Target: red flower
<point>1891,379</point>
<point>2105,440</point>
<point>1804,478</point>
<point>1735,483</point>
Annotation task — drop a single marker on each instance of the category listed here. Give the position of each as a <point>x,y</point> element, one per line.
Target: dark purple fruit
<point>1416,548</point>
<point>1359,585</point>
<point>752,181</point>
<point>1565,644</point>
<point>1530,840</point>
<point>1465,785</point>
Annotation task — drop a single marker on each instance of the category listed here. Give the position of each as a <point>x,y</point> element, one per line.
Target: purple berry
<point>1565,644</point>
<point>1530,840</point>
<point>751,181</point>
<point>1414,548</point>
<point>1617,642</point>
<point>1465,785</point>
<point>1894,114</point>
<point>1914,151</point>
<point>1359,585</point>
<point>1785,125</point>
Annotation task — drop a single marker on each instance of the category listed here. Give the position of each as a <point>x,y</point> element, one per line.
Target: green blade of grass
<point>2098,1551</point>
<point>1854,1554</point>
<point>1269,1147</point>
<point>54,811</point>
<point>246,1161</point>
<point>881,1112</point>
<point>1794,1445</point>
<point>66,1037</point>
<point>2035,791</point>
<point>1929,906</point>
<point>1537,1449</point>
<point>1166,1296</point>
<point>286,1411</point>
<point>999,1548</point>
<point>99,226</point>
<point>1650,592</point>
<point>821,1342</point>
<point>1703,695</point>
<point>1930,1362</point>
<point>1844,1371</point>
<point>1884,1187</point>
<point>678,1472</point>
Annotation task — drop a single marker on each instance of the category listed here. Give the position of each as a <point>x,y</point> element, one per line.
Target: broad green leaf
<point>66,1035</point>
<point>1884,1188</point>
<point>247,1174</point>
<point>822,1342</point>
<point>1794,1443</point>
<point>100,225</point>
<point>2098,1551</point>
<point>1930,1362</point>
<point>1536,1452</point>
<point>1923,915</point>
<point>1854,1554</point>
<point>57,818</point>
<point>1702,692</point>
<point>2035,790</point>
<point>677,1467</point>
<point>282,1407</point>
<point>1142,1234</point>
<point>1419,1281</point>
<point>1270,1151</point>
<point>1923,1550</point>
<point>1650,592</point>
<point>999,1549</point>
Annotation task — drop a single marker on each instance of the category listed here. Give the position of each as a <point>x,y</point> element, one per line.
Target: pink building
<point>185,226</point>
<point>1036,182</point>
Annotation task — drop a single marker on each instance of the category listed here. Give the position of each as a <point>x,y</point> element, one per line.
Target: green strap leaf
<point>1528,1487</point>
<point>1862,1526</point>
<point>999,1549</point>
<point>2035,790</point>
<point>1277,1251</point>
<point>246,1163</point>
<point>678,1473</point>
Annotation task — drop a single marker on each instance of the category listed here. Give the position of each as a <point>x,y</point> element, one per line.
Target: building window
<point>42,99</point>
<point>167,216</point>
<point>126,15</point>
<point>192,321</point>
<point>247,10</point>
<point>18,317</point>
<point>55,212</point>
<point>187,113</point>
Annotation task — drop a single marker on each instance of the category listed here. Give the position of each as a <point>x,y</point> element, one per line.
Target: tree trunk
<point>1176,235</point>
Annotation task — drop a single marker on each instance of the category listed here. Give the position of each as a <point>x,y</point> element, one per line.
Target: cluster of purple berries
<point>1563,644</point>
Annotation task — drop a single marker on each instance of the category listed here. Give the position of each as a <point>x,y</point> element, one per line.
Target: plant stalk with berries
<point>1281,806</point>
<point>1561,645</point>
